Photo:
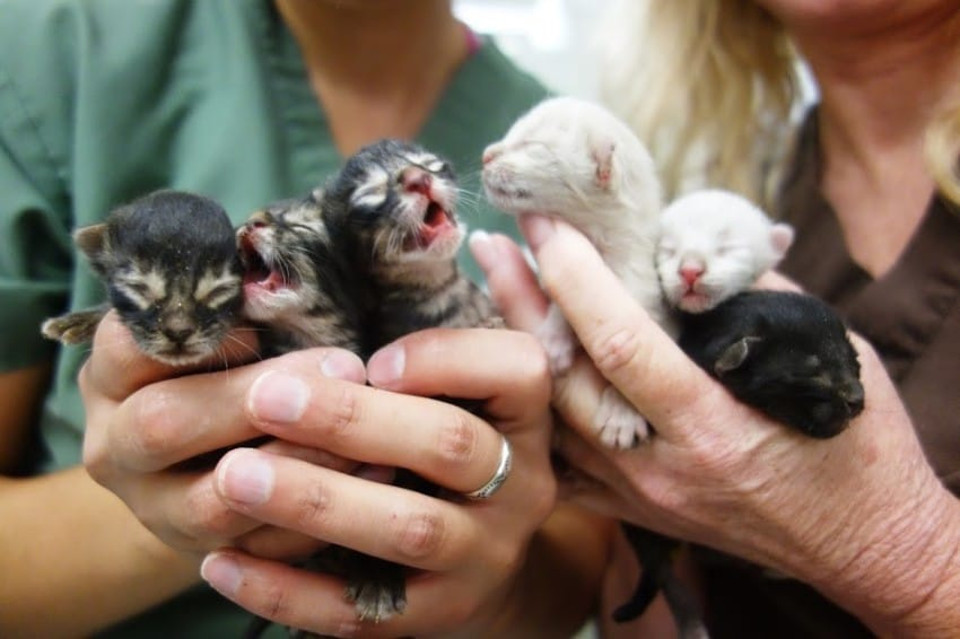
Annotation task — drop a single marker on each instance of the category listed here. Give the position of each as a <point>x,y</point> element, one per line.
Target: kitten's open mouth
<point>260,269</point>
<point>437,221</point>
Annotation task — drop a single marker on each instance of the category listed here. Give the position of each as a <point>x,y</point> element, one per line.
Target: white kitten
<point>714,244</point>
<point>573,160</point>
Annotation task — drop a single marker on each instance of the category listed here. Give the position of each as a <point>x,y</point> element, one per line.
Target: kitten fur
<point>714,244</point>
<point>393,209</point>
<point>297,284</point>
<point>171,270</point>
<point>785,354</point>
<point>573,160</point>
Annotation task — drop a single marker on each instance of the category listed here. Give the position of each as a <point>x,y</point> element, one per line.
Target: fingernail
<point>537,229</point>
<point>222,573</point>
<point>339,364</point>
<point>278,397</point>
<point>386,366</point>
<point>483,249</point>
<point>245,476</point>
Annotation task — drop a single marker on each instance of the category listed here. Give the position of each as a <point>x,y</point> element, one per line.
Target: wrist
<point>906,580</point>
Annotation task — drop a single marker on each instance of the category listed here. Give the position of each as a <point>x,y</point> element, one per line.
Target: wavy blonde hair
<point>714,88</point>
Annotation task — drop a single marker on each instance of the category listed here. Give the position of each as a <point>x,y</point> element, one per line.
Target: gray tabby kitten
<point>170,266</point>
<point>393,210</point>
<point>297,285</point>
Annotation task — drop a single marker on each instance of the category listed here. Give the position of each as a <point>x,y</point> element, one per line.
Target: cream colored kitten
<point>573,160</point>
<point>714,244</point>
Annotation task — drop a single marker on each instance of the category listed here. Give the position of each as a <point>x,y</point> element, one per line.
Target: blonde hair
<point>713,88</point>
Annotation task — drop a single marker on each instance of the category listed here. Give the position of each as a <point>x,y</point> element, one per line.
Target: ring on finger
<point>499,476</point>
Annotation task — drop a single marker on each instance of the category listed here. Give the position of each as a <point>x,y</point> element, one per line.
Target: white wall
<point>555,40</point>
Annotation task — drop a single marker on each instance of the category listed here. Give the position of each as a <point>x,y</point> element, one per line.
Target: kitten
<point>785,354</point>
<point>393,209</point>
<point>171,270</point>
<point>297,285</point>
<point>714,244</point>
<point>573,160</point>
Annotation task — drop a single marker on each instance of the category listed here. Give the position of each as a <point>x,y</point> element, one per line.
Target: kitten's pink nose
<point>691,273</point>
<point>415,180</point>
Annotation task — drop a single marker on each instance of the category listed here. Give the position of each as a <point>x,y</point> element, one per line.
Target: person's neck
<point>880,88</point>
<point>377,67</point>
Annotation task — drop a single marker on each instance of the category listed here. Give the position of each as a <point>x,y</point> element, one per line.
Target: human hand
<point>469,552</point>
<point>716,472</point>
<point>152,433</point>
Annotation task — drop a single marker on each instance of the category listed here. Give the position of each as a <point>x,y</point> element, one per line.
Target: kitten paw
<point>376,602</point>
<point>617,422</point>
<point>73,328</point>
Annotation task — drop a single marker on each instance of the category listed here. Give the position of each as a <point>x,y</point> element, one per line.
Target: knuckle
<point>344,412</point>
<point>312,507</point>
<point>421,534</point>
<point>155,429</point>
<point>207,517</point>
<point>615,349</point>
<point>273,602</point>
<point>458,438</point>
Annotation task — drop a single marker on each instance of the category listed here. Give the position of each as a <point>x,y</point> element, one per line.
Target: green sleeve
<point>35,246</point>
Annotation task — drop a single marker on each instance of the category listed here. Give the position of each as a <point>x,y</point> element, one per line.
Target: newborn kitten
<point>171,269</point>
<point>714,244</point>
<point>573,160</point>
<point>785,354</point>
<point>296,283</point>
<point>393,209</point>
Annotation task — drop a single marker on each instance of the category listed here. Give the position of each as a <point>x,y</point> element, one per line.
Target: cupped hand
<point>468,552</point>
<point>154,432</point>
<point>717,472</point>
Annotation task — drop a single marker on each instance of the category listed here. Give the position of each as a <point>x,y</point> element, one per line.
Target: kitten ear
<point>781,237</point>
<point>601,151</point>
<point>735,355</point>
<point>93,241</point>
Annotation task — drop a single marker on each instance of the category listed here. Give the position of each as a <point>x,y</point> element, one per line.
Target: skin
<point>715,471</point>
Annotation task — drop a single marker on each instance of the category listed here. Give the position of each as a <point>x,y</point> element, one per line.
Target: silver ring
<point>499,476</point>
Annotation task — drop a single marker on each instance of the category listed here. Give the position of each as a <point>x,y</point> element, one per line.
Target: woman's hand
<point>153,433</point>
<point>469,551</point>
<point>860,516</point>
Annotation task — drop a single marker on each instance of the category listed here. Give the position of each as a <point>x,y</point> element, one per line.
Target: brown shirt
<point>911,315</point>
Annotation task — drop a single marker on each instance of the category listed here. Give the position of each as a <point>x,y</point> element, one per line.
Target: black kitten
<point>785,354</point>
<point>171,269</point>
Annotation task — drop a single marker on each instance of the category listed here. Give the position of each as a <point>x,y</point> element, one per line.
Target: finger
<point>399,525</point>
<point>625,344</point>
<point>512,283</point>
<point>776,282</point>
<point>174,420</point>
<point>507,368</point>
<point>284,594</point>
<point>440,441</point>
<point>114,350</point>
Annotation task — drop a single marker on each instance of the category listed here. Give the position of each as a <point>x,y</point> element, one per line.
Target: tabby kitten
<point>393,209</point>
<point>296,283</point>
<point>170,265</point>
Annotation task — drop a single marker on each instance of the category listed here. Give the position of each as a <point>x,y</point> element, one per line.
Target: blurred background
<point>556,40</point>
